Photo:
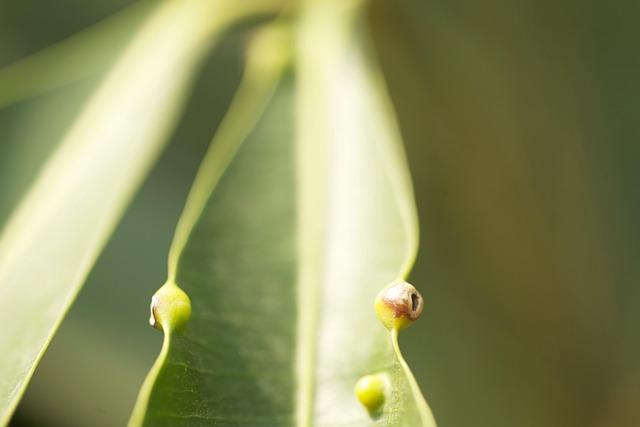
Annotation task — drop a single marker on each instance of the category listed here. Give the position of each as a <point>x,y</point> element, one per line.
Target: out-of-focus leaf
<point>284,243</point>
<point>369,235</point>
<point>53,238</point>
<point>29,140</point>
<point>82,55</point>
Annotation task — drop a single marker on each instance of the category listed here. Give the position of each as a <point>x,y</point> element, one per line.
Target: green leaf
<point>29,140</point>
<point>164,399</point>
<point>371,229</point>
<point>289,233</point>
<point>55,235</point>
<point>84,54</point>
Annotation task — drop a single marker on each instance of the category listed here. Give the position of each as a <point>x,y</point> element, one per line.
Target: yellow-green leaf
<point>84,54</point>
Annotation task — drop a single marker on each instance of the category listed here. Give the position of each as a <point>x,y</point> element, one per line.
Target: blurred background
<point>522,130</point>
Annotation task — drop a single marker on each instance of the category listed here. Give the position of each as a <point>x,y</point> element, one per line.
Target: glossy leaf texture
<point>290,232</point>
<point>54,236</point>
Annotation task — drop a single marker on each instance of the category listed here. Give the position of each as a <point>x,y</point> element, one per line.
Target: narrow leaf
<point>55,235</point>
<point>368,235</point>
<point>196,380</point>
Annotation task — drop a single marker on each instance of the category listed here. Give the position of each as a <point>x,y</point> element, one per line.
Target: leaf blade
<point>256,90</point>
<point>65,220</point>
<point>199,381</point>
<point>78,57</point>
<point>372,236</point>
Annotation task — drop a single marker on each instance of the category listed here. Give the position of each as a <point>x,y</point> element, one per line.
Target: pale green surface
<point>308,220</point>
<point>370,229</point>
<point>53,238</point>
<point>82,55</point>
<point>30,140</point>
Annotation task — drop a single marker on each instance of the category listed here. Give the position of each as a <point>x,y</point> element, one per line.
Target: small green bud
<point>398,305</point>
<point>370,391</point>
<point>170,308</point>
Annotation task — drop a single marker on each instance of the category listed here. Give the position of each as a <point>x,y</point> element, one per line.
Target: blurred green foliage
<point>520,119</point>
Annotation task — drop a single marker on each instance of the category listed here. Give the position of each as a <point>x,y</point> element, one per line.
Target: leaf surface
<point>53,238</point>
<point>82,55</point>
<point>289,233</point>
<point>370,232</point>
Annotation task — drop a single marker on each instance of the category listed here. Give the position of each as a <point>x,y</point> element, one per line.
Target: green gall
<point>170,308</point>
<point>398,305</point>
<point>370,390</point>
